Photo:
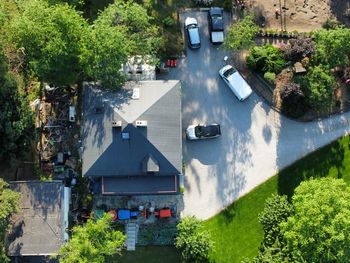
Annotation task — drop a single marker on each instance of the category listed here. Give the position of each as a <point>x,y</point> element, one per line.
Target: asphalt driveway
<point>256,141</point>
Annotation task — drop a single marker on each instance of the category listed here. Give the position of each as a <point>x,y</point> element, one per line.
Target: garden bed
<point>296,77</point>
<point>159,234</point>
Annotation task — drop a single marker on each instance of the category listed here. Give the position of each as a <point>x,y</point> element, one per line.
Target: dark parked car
<point>216,25</point>
<point>192,32</point>
<point>196,132</point>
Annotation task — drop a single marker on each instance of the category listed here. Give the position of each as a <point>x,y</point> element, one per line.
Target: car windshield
<point>216,16</point>
<point>229,72</point>
<point>205,131</point>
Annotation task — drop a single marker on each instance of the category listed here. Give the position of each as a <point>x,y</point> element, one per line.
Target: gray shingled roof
<point>107,154</point>
<point>37,228</point>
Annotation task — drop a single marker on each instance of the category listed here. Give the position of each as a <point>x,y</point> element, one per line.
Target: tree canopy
<point>123,29</point>
<point>241,34</point>
<point>16,119</point>
<point>53,39</point>
<point>9,203</point>
<point>319,228</point>
<point>92,242</point>
<point>194,242</point>
<point>60,47</point>
<point>332,47</point>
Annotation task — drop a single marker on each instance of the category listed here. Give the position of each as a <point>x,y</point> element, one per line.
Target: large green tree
<point>319,228</point>
<point>9,203</point>
<point>53,39</point>
<point>194,242</point>
<point>92,242</point>
<point>332,47</point>
<point>123,29</point>
<point>241,34</point>
<point>16,119</point>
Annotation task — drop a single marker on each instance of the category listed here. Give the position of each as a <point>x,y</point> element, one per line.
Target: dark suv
<point>216,25</point>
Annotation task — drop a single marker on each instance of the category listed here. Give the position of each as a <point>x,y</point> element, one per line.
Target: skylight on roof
<point>125,135</point>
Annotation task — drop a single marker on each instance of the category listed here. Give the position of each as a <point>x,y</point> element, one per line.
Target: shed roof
<point>38,227</point>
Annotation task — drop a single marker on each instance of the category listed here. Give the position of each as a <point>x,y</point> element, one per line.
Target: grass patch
<point>150,254</point>
<point>237,232</point>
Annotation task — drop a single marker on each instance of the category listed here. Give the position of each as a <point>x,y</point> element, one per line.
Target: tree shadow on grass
<point>316,165</point>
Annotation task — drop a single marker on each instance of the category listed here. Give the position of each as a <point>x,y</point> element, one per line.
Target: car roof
<point>240,85</point>
<point>194,35</point>
<point>190,21</point>
<point>210,129</point>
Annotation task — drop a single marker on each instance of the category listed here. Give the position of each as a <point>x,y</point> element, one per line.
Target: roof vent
<point>116,124</point>
<point>135,93</point>
<point>141,123</point>
<point>125,136</point>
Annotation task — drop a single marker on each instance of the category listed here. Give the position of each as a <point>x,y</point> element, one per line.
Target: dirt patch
<point>300,15</point>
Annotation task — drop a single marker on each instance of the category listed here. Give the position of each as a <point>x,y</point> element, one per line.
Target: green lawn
<point>236,230</point>
<point>150,254</point>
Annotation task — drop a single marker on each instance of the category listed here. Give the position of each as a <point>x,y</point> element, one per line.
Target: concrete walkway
<point>256,141</point>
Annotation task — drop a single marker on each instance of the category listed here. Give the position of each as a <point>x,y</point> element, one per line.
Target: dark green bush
<point>227,5</point>
<point>293,100</point>
<point>266,58</point>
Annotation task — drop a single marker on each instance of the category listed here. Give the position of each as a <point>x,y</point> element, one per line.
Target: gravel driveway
<point>256,141</point>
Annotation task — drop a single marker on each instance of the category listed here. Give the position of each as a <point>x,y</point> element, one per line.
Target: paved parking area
<point>256,141</point>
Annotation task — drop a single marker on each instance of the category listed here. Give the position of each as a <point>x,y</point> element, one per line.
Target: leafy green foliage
<point>241,34</point>
<point>53,39</point>
<point>299,48</point>
<point>293,100</point>
<point>193,240</point>
<point>320,87</point>
<point>277,209</point>
<point>319,229</point>
<point>123,29</point>
<point>16,119</point>
<point>270,76</point>
<point>266,58</point>
<point>332,47</point>
<point>9,203</point>
<point>92,243</point>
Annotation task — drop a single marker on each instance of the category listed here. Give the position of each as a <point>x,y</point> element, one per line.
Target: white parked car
<point>205,131</point>
<point>192,32</point>
<point>236,82</point>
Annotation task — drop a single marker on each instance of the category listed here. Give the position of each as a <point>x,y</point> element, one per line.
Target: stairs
<point>131,235</point>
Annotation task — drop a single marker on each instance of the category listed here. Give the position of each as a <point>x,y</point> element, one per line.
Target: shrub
<point>321,84</point>
<point>293,100</point>
<point>299,48</point>
<point>277,209</point>
<point>266,58</point>
<point>194,242</point>
<point>169,21</point>
<point>270,76</point>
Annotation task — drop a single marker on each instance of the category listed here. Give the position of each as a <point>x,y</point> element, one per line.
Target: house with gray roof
<point>132,139</point>
<point>40,227</point>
